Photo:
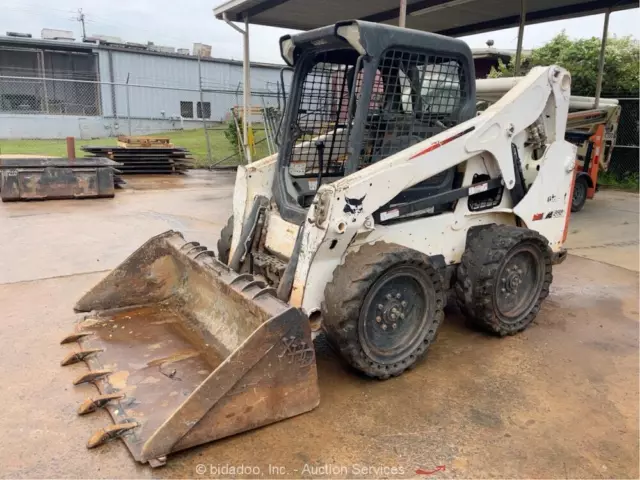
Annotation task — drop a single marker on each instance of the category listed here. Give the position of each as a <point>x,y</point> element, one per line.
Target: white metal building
<point>54,89</point>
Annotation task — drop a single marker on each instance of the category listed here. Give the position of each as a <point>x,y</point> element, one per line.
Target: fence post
<point>44,82</point>
<point>128,104</point>
<point>71,148</point>
<point>603,48</point>
<point>204,122</point>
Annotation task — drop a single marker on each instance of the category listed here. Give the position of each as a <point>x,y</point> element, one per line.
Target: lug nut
<point>403,303</point>
<point>393,316</point>
<point>384,326</point>
<point>389,297</point>
<point>378,319</point>
<point>398,296</point>
<point>394,326</point>
<point>503,290</point>
<point>380,306</point>
<point>401,316</point>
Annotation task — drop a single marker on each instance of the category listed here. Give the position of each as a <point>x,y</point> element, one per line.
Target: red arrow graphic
<point>439,468</point>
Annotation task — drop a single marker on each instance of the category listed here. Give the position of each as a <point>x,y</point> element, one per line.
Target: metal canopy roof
<point>447,17</point>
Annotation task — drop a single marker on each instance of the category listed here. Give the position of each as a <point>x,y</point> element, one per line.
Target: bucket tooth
<point>74,337</point>
<point>108,433</point>
<point>189,245</point>
<point>91,376</point>
<point>92,404</point>
<point>197,249</point>
<point>255,283</point>
<point>265,291</point>
<point>75,357</point>
<point>208,253</point>
<point>158,462</point>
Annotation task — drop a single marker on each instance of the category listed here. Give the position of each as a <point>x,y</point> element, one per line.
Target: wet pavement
<point>607,229</point>
<point>558,400</point>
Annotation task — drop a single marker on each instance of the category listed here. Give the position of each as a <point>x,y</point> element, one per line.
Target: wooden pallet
<point>253,110</point>
<point>128,141</point>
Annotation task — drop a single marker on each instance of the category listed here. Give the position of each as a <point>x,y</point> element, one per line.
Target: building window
<point>207,110</point>
<point>186,109</point>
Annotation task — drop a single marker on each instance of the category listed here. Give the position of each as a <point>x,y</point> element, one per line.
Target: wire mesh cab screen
<point>322,114</point>
<point>415,96</point>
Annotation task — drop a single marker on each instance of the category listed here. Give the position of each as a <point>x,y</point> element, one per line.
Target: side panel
<point>251,180</point>
<point>281,235</point>
<point>547,204</point>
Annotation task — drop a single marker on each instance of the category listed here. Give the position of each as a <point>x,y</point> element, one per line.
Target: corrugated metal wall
<point>179,79</point>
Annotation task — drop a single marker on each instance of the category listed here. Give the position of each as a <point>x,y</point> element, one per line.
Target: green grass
<point>628,181</point>
<point>192,140</point>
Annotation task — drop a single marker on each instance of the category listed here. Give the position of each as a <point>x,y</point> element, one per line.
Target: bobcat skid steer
<point>387,191</point>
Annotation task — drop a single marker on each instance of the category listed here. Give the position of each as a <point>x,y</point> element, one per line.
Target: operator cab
<point>360,93</point>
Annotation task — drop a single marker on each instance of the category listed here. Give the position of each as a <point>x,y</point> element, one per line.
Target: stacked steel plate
<point>146,160</point>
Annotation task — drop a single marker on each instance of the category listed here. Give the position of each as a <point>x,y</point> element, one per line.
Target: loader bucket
<point>184,351</point>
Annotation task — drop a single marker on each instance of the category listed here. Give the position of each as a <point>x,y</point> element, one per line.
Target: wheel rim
<point>579,192</point>
<point>519,283</point>
<point>395,314</point>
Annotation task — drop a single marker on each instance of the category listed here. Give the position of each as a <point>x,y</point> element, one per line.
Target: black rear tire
<point>383,308</point>
<point>503,278</point>
<point>224,242</point>
<point>579,194</point>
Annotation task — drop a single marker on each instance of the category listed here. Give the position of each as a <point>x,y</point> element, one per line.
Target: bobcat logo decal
<point>353,205</point>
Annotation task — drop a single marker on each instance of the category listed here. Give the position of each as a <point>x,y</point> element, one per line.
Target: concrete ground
<point>606,229</point>
<point>559,400</point>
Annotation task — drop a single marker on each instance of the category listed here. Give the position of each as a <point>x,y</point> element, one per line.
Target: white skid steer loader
<point>387,192</point>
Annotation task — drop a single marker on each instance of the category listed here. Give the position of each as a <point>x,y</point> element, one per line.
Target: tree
<point>580,57</point>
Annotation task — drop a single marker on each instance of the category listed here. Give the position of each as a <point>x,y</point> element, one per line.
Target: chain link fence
<point>30,95</point>
<point>48,108</point>
<point>626,153</point>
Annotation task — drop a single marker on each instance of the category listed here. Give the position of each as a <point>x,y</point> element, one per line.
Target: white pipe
<point>603,46</point>
<point>492,89</point>
<point>402,20</point>
<point>497,86</point>
<point>523,19</point>
<point>586,103</point>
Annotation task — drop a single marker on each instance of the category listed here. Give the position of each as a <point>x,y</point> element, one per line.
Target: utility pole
<point>80,18</point>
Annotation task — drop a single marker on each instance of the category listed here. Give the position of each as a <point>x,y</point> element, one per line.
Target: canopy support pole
<point>603,46</point>
<point>246,118</point>
<point>402,20</point>
<point>523,19</point>
<point>246,71</point>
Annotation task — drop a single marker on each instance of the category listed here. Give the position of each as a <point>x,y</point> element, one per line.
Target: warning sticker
<point>483,187</point>
<point>389,214</point>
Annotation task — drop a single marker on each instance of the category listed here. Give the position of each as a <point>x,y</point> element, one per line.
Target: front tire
<point>503,278</point>
<point>579,194</point>
<point>224,242</point>
<point>383,308</point>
